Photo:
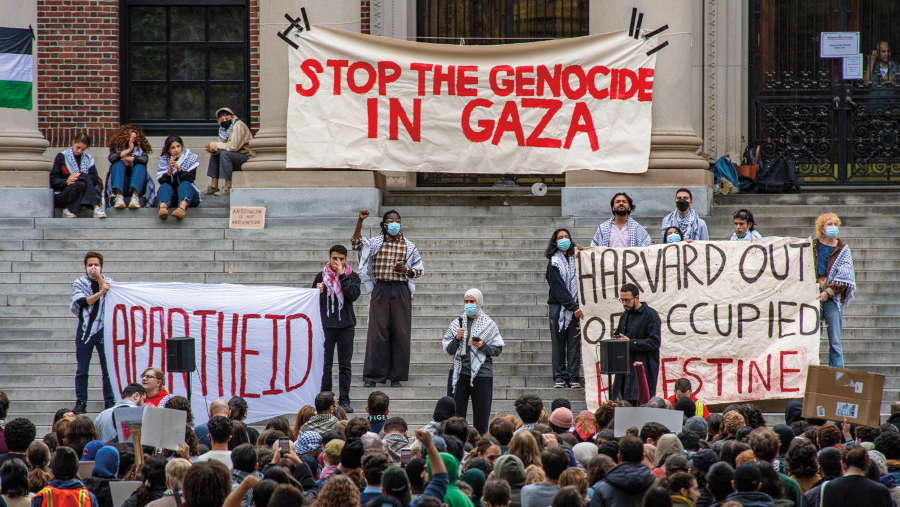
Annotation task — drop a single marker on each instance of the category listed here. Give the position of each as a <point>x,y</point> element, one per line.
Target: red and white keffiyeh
<point>333,284</point>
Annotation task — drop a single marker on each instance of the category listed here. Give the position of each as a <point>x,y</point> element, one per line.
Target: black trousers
<point>565,348</point>
<point>390,324</point>
<point>78,194</point>
<point>482,393</point>
<point>343,338</point>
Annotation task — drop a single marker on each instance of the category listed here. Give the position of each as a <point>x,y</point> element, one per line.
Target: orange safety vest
<point>54,497</point>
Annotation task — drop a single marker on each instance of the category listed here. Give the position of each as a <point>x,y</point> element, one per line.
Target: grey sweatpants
<point>222,164</point>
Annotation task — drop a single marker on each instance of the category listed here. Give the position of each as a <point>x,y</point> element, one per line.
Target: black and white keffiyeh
<point>371,246</point>
<point>223,133</point>
<point>637,235</point>
<point>843,273</point>
<point>92,315</point>
<point>72,163</point>
<point>566,266</point>
<point>483,327</point>
<point>188,162</point>
<point>688,224</point>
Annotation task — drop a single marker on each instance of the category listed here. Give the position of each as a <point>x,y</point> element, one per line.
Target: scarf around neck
<point>223,134</point>
<point>483,327</point>
<point>188,162</point>
<point>637,235</point>
<point>333,284</point>
<point>72,163</point>
<point>689,224</point>
<point>566,267</point>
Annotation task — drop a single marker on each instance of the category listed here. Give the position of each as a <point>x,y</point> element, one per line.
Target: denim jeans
<point>83,352</point>
<point>172,197</point>
<point>832,314</point>
<point>118,173</point>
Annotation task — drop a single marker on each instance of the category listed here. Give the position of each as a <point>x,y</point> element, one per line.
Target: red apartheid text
<point>222,336</point>
<point>543,87</point>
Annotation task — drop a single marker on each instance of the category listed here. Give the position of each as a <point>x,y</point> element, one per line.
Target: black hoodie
<point>624,486</point>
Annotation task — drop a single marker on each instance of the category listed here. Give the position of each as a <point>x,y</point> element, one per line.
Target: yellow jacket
<point>238,140</point>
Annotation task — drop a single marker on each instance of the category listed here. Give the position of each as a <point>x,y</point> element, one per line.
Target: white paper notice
<point>839,44</point>
<point>627,417</point>
<point>853,67</point>
<point>163,427</point>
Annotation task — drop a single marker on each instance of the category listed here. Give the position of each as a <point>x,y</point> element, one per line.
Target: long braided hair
<point>384,221</point>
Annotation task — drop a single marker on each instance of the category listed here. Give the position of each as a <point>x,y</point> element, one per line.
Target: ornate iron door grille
<point>837,131</point>
<point>484,22</point>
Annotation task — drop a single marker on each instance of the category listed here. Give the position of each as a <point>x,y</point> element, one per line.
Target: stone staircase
<point>485,238</point>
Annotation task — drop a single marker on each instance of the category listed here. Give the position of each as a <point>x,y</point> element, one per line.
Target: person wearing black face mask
<point>685,218</point>
<point>88,301</point>
<point>229,153</point>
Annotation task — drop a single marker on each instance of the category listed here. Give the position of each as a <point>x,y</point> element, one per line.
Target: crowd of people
<point>536,457</point>
<point>77,185</point>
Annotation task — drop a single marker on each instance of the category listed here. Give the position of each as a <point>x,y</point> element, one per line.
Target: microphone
<point>463,345</point>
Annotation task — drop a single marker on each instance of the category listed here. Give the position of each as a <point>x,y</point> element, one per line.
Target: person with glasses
<point>744,226</point>
<point>641,326</point>
<point>152,380</point>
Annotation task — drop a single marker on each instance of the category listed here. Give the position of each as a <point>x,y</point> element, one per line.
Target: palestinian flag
<point>16,65</point>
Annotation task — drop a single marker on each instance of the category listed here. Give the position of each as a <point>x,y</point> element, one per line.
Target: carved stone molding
<point>709,57</point>
<point>376,17</point>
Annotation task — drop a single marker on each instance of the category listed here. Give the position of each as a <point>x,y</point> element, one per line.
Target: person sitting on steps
<point>129,152</point>
<point>75,181</point>
<point>176,171</point>
<point>229,153</point>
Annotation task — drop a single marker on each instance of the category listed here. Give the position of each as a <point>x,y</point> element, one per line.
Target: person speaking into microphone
<point>473,340</point>
<point>641,326</point>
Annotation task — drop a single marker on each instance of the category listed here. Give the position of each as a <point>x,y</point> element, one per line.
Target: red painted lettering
<point>132,372</point>
<point>719,363</point>
<point>203,314</point>
<point>287,358</point>
<point>337,65</point>
<point>384,78</point>
<point>463,81</point>
<point>161,344</point>
<point>645,85</point>
<point>666,381</point>
<point>231,350</point>
<point>626,77</point>
<point>487,126</point>
<point>120,341</point>
<point>552,81</point>
<point>552,106</point>
<point>421,68</point>
<point>414,128</point>
<point>505,86</point>
<point>509,122</point>
<point>578,73</point>
<point>372,109</point>
<point>440,78</point>
<point>582,122</point>
<point>312,69</point>
<point>354,86</point>
<point>592,82</point>
<point>767,383</point>
<point>244,353</point>
<point>787,370</point>
<point>684,368</point>
<point>740,376</point>
<point>274,319</point>
<point>523,82</point>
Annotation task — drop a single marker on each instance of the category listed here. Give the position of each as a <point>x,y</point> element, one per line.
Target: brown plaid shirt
<point>383,262</point>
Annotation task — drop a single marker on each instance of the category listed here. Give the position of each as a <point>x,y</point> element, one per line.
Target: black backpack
<point>777,176</point>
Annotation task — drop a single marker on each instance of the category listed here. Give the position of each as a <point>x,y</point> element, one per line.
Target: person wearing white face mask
<point>88,301</point>
<point>473,339</point>
<point>837,281</point>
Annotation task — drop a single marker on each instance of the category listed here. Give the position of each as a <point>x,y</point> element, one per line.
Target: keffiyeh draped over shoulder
<point>637,235</point>
<point>566,266</point>
<point>223,133</point>
<point>72,163</point>
<point>688,224</point>
<point>188,162</point>
<point>371,246</point>
<point>843,273</point>
<point>483,327</point>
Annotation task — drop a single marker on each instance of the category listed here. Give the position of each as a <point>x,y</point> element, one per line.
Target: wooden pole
<point>138,450</point>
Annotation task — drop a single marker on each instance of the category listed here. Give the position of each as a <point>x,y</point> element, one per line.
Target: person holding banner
<point>88,303</point>
<point>388,264</point>
<point>744,226</point>
<point>642,326</point>
<point>685,218</point>
<point>565,330</point>
<point>837,281</point>
<point>473,339</point>
<point>620,231</point>
<point>338,284</point>
<point>673,235</point>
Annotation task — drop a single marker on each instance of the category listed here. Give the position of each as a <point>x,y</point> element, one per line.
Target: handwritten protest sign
<point>740,319</point>
<point>366,102</point>
<point>262,343</point>
<point>247,217</point>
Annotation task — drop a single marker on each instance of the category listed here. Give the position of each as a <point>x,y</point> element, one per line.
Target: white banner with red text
<point>740,319</point>
<point>365,102</point>
<point>262,343</point>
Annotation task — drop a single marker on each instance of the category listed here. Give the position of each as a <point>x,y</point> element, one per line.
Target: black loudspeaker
<point>180,355</point>
<point>615,357</point>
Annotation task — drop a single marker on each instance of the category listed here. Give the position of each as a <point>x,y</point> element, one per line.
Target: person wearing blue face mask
<point>837,281</point>
<point>565,330</point>
<point>673,235</point>
<point>88,302</point>
<point>473,339</point>
<point>744,226</point>
<point>388,264</point>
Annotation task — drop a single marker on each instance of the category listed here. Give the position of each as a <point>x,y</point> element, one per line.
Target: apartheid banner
<point>365,102</point>
<point>740,319</point>
<point>264,344</point>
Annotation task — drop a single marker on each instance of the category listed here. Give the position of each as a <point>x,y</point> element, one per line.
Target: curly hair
<point>206,484</point>
<point>19,433</point>
<point>181,403</point>
<point>605,413</point>
<point>338,491</point>
<point>753,416</point>
<point>119,140</point>
<point>374,463</point>
<point>733,422</point>
<point>765,444</point>
<point>828,436</point>
<point>820,223</point>
<point>801,458</point>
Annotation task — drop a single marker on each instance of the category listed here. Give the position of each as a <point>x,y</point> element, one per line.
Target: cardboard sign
<point>122,490</point>
<point>163,427</point>
<point>247,217</point>
<point>836,393</point>
<point>124,417</point>
<point>839,44</point>
<point>626,417</point>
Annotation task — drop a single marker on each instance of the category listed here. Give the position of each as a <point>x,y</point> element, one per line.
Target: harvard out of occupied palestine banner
<point>365,102</point>
<point>739,319</point>
<point>262,343</point>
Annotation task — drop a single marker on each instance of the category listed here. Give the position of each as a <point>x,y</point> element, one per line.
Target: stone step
<point>466,196</point>
<point>822,199</point>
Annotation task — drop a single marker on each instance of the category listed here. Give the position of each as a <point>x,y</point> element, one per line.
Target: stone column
<point>673,144</point>
<point>265,181</point>
<point>24,181</point>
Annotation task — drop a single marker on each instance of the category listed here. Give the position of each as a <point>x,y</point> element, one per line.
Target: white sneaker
<point>118,202</point>
<point>99,213</point>
<point>68,214</point>
<point>135,202</point>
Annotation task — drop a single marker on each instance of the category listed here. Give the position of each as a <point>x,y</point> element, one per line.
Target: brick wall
<point>78,68</point>
<point>364,17</point>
